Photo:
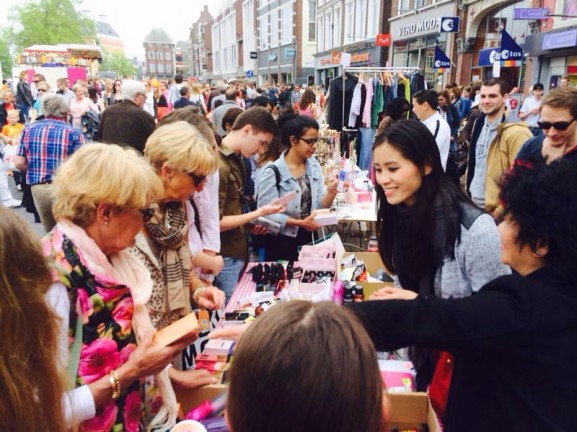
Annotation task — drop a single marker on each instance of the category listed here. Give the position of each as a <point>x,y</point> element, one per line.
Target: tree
<point>5,56</point>
<point>50,22</point>
<point>116,62</point>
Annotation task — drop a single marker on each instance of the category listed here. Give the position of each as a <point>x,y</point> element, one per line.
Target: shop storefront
<point>555,53</point>
<point>415,38</point>
<point>362,54</point>
<point>326,68</point>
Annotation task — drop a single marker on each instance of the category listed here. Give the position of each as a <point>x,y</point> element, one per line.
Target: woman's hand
<point>392,293</point>
<point>211,298</point>
<point>149,358</point>
<point>270,209</point>
<point>230,332</point>
<point>333,185</point>
<point>309,224</point>
<point>191,379</point>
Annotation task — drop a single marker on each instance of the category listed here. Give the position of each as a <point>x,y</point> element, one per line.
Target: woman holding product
<point>299,172</point>
<point>102,197</point>
<point>432,238</point>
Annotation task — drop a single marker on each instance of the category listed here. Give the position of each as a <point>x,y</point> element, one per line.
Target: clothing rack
<point>369,69</point>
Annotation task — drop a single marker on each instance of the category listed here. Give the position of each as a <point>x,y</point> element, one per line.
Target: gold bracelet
<point>197,293</point>
<point>115,383</point>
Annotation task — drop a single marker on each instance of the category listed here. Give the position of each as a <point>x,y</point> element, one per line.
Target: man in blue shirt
<point>44,145</point>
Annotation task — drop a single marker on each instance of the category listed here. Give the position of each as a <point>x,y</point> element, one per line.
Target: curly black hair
<point>542,200</point>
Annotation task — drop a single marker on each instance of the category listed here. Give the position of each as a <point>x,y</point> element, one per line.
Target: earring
<point>537,254</point>
<point>106,221</point>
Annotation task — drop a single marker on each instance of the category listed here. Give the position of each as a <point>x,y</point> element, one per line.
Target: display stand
<point>366,69</point>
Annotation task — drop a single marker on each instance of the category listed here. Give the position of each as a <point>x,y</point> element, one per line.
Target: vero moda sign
<point>511,52</point>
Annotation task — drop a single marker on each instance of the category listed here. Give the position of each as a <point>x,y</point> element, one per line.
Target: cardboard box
<point>408,410</point>
<point>373,263</point>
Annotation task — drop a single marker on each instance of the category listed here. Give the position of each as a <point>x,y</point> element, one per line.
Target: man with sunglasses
<point>558,121</point>
<point>494,146</point>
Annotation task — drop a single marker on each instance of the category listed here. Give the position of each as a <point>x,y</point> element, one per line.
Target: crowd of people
<point>151,193</point>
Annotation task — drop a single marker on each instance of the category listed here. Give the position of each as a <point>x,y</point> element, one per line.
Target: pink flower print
<point>132,410</point>
<point>85,304</point>
<point>111,293</point>
<point>97,359</point>
<point>122,314</point>
<point>103,421</point>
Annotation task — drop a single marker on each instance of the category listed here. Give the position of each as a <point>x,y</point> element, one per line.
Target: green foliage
<point>5,56</point>
<point>50,22</point>
<point>116,62</point>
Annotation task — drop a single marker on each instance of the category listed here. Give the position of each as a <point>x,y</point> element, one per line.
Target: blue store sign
<point>489,56</point>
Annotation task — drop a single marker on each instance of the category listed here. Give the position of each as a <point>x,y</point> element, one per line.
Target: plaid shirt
<point>46,144</point>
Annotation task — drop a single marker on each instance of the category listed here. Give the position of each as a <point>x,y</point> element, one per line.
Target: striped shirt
<point>46,144</point>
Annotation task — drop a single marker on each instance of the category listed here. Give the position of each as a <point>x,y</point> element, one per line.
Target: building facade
<point>159,52</point>
<point>200,40</point>
<point>349,26</point>
<point>286,41</point>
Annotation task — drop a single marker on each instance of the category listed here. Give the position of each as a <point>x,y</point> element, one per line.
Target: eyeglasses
<point>147,214</point>
<point>197,179</point>
<point>560,125</point>
<point>310,141</point>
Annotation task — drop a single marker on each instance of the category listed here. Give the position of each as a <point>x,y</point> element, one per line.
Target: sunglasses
<point>197,179</point>
<point>146,213</point>
<point>560,125</point>
<point>310,141</point>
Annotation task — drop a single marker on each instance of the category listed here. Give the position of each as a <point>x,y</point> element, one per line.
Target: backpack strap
<point>437,129</point>
<point>276,174</point>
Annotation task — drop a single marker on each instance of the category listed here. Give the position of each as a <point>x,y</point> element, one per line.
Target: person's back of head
<point>541,201</point>
<point>32,385</point>
<point>320,382</point>
<point>230,94</point>
<point>130,89</point>
<point>184,91</point>
<point>261,101</point>
<point>55,105</point>
<point>397,109</point>
<point>223,88</point>
<point>178,79</point>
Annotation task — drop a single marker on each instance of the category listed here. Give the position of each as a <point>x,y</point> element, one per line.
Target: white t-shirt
<point>443,136</point>
<point>528,104</point>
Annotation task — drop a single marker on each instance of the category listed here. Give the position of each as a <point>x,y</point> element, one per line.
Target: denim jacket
<point>267,191</point>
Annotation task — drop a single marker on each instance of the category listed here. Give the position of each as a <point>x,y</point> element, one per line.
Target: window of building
<point>419,4</point>
<point>348,22</point>
<point>287,24</point>
<point>337,27</point>
<point>312,20</point>
<point>403,6</point>
<point>274,28</point>
<point>373,18</point>
<point>360,20</point>
<point>321,39</point>
<point>328,34</point>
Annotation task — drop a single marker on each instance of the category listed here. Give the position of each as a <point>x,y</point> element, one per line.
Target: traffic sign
<point>249,73</point>
<point>530,13</point>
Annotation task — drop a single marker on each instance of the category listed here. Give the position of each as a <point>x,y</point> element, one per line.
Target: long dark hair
<point>420,250</point>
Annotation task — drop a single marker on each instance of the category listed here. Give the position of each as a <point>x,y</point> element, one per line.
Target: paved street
<point>28,217</point>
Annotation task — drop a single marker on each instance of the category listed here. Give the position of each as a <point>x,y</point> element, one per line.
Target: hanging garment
<point>336,107</point>
<point>366,119</point>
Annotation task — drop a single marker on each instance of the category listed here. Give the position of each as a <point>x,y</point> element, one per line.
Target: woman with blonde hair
<point>107,94</point>
<point>197,97</point>
<point>31,384</point>
<point>182,159</point>
<point>102,197</point>
<point>80,105</point>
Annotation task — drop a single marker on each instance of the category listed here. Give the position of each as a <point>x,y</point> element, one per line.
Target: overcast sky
<point>134,19</point>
